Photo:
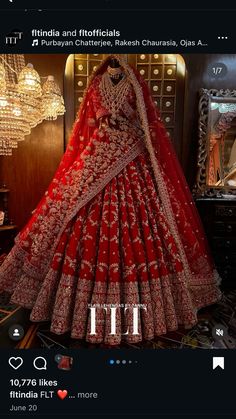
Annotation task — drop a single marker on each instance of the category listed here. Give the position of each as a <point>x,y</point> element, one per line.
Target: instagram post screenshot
<point>117,210</point>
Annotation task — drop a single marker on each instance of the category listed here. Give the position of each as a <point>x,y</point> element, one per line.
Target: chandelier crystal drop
<point>23,102</point>
<point>2,79</point>
<point>53,103</point>
<point>29,81</point>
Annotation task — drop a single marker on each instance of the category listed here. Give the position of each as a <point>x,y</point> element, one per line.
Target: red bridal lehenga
<point>117,226</point>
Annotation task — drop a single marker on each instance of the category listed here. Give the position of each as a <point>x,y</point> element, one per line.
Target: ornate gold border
<point>201,189</point>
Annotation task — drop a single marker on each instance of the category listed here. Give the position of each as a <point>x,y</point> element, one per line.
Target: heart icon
<point>62,394</point>
<point>15,362</point>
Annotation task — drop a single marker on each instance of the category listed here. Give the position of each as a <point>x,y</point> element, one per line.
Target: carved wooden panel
<point>84,65</point>
<point>160,70</point>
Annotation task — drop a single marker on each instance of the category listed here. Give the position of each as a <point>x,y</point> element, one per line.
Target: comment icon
<point>40,363</point>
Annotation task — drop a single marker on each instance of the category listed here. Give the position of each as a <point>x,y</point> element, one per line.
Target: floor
<point>200,336</point>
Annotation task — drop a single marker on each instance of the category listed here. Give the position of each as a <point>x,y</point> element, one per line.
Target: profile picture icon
<point>16,332</point>
<point>64,362</point>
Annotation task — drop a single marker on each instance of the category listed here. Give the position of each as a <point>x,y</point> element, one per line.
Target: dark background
<point>113,4</point>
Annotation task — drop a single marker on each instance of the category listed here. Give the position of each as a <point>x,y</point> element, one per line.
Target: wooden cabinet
<point>8,230</point>
<point>219,220</point>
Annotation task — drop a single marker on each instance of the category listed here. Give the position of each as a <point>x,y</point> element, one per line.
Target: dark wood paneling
<point>197,66</point>
<point>29,171</point>
<point>69,96</point>
<point>218,217</point>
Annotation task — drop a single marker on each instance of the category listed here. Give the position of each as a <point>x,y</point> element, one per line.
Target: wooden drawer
<point>224,258</point>
<point>225,228</point>
<point>226,212</point>
<point>223,243</point>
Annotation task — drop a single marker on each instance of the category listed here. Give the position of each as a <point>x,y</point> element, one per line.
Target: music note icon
<point>35,42</point>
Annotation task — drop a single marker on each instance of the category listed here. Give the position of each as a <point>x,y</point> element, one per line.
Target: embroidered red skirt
<point>117,251</point>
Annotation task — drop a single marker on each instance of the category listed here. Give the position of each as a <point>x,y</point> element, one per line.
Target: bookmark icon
<point>218,361</point>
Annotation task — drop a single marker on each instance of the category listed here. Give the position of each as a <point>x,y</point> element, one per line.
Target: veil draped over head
<point>37,242</point>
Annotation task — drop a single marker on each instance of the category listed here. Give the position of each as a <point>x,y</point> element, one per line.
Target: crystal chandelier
<point>53,102</point>
<point>24,102</point>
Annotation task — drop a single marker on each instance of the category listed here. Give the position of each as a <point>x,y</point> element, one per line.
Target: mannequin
<point>115,70</point>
